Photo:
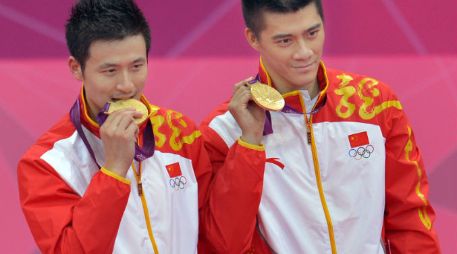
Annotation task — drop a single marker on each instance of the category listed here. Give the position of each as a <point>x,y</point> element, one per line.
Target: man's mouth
<point>114,99</point>
<point>304,66</point>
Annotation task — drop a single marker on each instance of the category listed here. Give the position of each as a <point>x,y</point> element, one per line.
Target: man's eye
<point>110,71</point>
<point>284,41</point>
<point>313,33</point>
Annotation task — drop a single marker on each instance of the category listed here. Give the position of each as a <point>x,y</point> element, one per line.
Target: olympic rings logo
<point>178,182</point>
<point>361,152</point>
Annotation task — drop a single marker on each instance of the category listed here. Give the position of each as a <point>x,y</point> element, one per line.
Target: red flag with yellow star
<point>358,139</point>
<point>174,170</point>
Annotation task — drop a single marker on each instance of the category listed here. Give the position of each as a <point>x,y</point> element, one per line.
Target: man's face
<point>291,46</point>
<point>114,70</point>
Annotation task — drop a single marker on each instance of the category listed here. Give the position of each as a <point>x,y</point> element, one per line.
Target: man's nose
<point>303,51</point>
<point>125,83</point>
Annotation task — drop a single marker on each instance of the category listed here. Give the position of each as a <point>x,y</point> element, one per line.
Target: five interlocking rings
<point>178,182</point>
<point>361,152</point>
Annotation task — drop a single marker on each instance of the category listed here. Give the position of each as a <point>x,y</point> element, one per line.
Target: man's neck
<point>90,112</point>
<point>313,88</point>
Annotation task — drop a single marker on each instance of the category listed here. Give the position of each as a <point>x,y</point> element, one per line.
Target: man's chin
<point>304,82</point>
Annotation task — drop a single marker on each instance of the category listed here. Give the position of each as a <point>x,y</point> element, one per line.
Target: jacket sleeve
<point>61,220</point>
<point>409,217</point>
<point>234,194</point>
<point>203,173</point>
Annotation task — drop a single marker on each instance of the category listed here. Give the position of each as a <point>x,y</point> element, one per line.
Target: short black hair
<point>105,20</point>
<point>253,10</point>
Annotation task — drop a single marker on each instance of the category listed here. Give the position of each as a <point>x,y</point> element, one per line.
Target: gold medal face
<point>267,97</point>
<point>130,103</point>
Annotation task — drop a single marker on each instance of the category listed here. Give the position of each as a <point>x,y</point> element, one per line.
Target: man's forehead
<point>309,11</point>
<point>102,56</point>
<point>291,22</point>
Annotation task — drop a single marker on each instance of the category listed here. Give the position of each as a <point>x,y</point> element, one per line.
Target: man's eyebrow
<point>282,36</point>
<point>316,26</point>
<point>107,65</point>
<point>139,60</point>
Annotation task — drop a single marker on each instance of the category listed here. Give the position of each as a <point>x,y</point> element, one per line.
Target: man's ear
<point>75,68</point>
<point>251,38</point>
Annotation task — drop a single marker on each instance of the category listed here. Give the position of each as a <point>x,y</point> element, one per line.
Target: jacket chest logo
<point>177,181</point>
<point>276,162</point>
<point>360,146</point>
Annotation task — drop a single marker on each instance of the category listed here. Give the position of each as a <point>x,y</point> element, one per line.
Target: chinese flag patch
<point>358,139</point>
<point>174,170</point>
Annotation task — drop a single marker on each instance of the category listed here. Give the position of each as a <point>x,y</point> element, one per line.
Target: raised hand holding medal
<point>128,113</point>
<point>148,144</point>
<point>249,112</point>
<point>118,132</point>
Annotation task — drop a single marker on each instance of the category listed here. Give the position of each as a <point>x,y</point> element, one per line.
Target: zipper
<point>317,173</point>
<point>144,203</point>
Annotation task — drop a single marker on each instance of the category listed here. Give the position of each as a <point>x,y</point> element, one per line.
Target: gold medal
<point>267,97</point>
<point>130,103</point>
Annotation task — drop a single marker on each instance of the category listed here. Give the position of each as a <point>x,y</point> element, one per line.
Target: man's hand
<point>249,116</point>
<point>119,133</point>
